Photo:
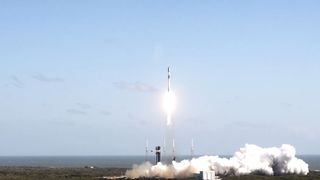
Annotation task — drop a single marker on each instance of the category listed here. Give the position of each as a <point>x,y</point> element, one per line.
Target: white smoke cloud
<point>249,159</point>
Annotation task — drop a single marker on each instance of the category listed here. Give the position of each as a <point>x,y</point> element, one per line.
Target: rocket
<point>168,78</point>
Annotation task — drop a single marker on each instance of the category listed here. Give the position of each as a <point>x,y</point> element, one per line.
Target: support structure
<point>158,154</point>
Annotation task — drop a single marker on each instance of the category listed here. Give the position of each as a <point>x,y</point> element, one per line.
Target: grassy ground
<point>37,173</point>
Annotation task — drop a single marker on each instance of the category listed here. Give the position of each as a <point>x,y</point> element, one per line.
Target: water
<point>71,161</point>
<point>105,161</point>
<point>312,160</point>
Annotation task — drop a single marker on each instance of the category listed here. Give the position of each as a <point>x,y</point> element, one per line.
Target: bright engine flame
<point>169,103</point>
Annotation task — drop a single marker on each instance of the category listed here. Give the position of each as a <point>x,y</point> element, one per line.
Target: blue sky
<point>87,77</point>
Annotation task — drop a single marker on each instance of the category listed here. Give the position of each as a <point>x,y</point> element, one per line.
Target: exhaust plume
<point>251,159</point>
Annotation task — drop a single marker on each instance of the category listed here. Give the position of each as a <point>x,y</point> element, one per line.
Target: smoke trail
<point>249,159</point>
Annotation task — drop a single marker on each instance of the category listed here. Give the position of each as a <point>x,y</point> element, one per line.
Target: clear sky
<point>88,77</point>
